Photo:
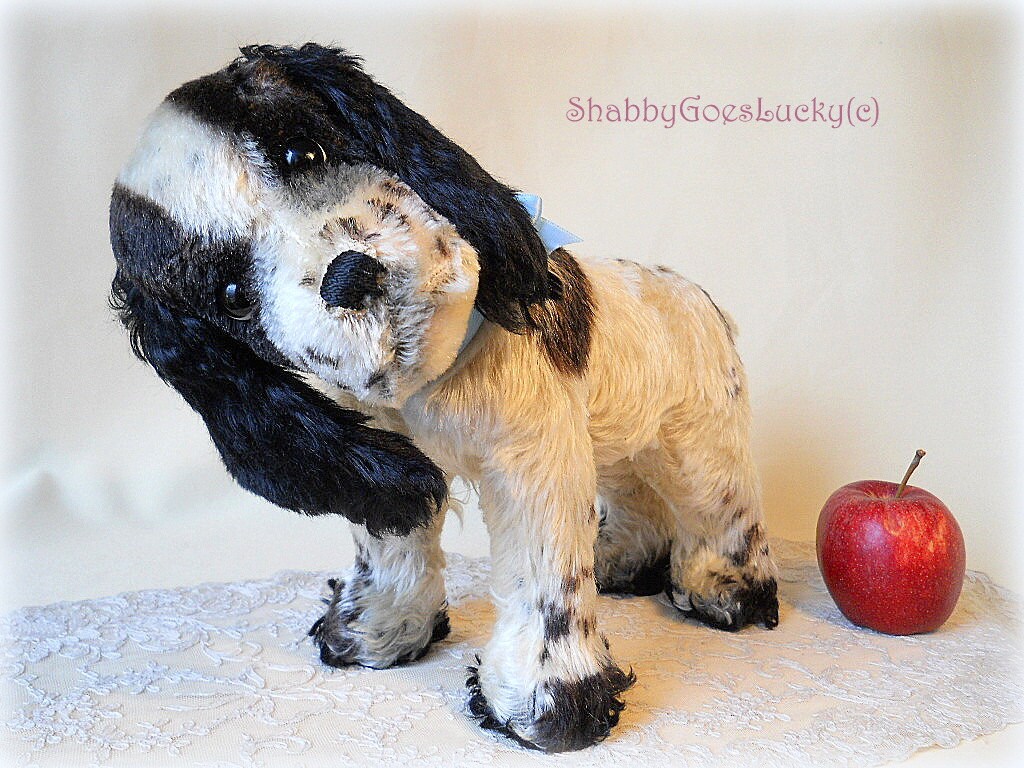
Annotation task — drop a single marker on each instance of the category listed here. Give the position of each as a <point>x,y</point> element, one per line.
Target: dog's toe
<point>733,607</point>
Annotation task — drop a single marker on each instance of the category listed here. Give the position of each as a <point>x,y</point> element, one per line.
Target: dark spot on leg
<point>724,579</point>
<point>442,626</point>
<point>571,582</point>
<point>361,566</point>
<point>751,541</point>
<point>557,620</point>
<point>404,351</point>
<point>588,625</point>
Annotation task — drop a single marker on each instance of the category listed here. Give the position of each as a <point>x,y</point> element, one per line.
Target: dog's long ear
<point>391,136</point>
<point>278,437</point>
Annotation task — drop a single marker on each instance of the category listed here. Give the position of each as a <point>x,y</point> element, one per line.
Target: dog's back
<point>659,343</point>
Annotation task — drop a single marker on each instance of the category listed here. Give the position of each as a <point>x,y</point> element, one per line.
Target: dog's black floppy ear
<point>278,437</point>
<point>386,133</point>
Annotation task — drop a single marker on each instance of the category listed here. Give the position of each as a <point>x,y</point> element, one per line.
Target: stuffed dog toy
<point>359,312</point>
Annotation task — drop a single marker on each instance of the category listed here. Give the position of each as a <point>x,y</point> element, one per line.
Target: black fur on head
<point>274,92</point>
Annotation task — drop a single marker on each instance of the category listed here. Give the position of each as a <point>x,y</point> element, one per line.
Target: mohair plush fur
<point>299,253</point>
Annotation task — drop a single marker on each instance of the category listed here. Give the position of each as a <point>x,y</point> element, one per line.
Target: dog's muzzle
<point>352,280</point>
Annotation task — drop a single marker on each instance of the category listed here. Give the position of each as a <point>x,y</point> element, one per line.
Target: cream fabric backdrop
<point>872,270</point>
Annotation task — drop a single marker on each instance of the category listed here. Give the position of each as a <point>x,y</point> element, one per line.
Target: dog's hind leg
<point>722,572</point>
<point>634,536</point>
<point>391,605</point>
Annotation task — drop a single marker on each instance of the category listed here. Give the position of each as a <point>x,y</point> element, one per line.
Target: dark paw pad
<point>582,712</point>
<point>648,578</point>
<point>749,602</point>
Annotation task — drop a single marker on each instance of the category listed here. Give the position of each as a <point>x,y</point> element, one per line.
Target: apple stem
<point>910,470</point>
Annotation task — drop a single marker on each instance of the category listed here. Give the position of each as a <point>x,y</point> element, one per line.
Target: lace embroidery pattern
<point>224,675</point>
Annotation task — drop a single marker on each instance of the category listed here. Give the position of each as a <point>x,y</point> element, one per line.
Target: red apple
<point>892,556</point>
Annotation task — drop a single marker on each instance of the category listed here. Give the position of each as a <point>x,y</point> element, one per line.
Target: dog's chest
<point>445,437</point>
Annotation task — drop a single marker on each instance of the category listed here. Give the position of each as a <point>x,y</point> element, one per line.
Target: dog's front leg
<point>391,605</point>
<point>547,675</point>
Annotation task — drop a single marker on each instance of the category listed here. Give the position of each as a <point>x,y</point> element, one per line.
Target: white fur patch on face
<point>221,188</point>
<point>384,352</point>
<point>205,181</point>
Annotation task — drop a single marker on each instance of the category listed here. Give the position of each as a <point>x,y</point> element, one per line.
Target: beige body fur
<point>656,428</point>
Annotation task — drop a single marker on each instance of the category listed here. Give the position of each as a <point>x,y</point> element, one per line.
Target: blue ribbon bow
<point>553,237</point>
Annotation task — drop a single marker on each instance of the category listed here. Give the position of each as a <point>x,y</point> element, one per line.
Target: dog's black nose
<point>351,280</point>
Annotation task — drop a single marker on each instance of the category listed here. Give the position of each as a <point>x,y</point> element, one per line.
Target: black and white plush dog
<point>306,260</point>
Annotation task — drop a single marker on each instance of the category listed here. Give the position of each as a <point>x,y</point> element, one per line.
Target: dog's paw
<point>560,715</point>
<point>729,601</point>
<point>363,627</point>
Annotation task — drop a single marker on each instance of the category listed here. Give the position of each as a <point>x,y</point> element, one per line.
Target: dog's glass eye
<point>301,153</point>
<point>233,301</point>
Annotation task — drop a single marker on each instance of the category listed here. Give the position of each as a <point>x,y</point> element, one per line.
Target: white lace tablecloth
<point>224,675</point>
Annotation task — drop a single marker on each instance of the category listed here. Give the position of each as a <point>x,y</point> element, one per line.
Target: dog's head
<point>285,217</point>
